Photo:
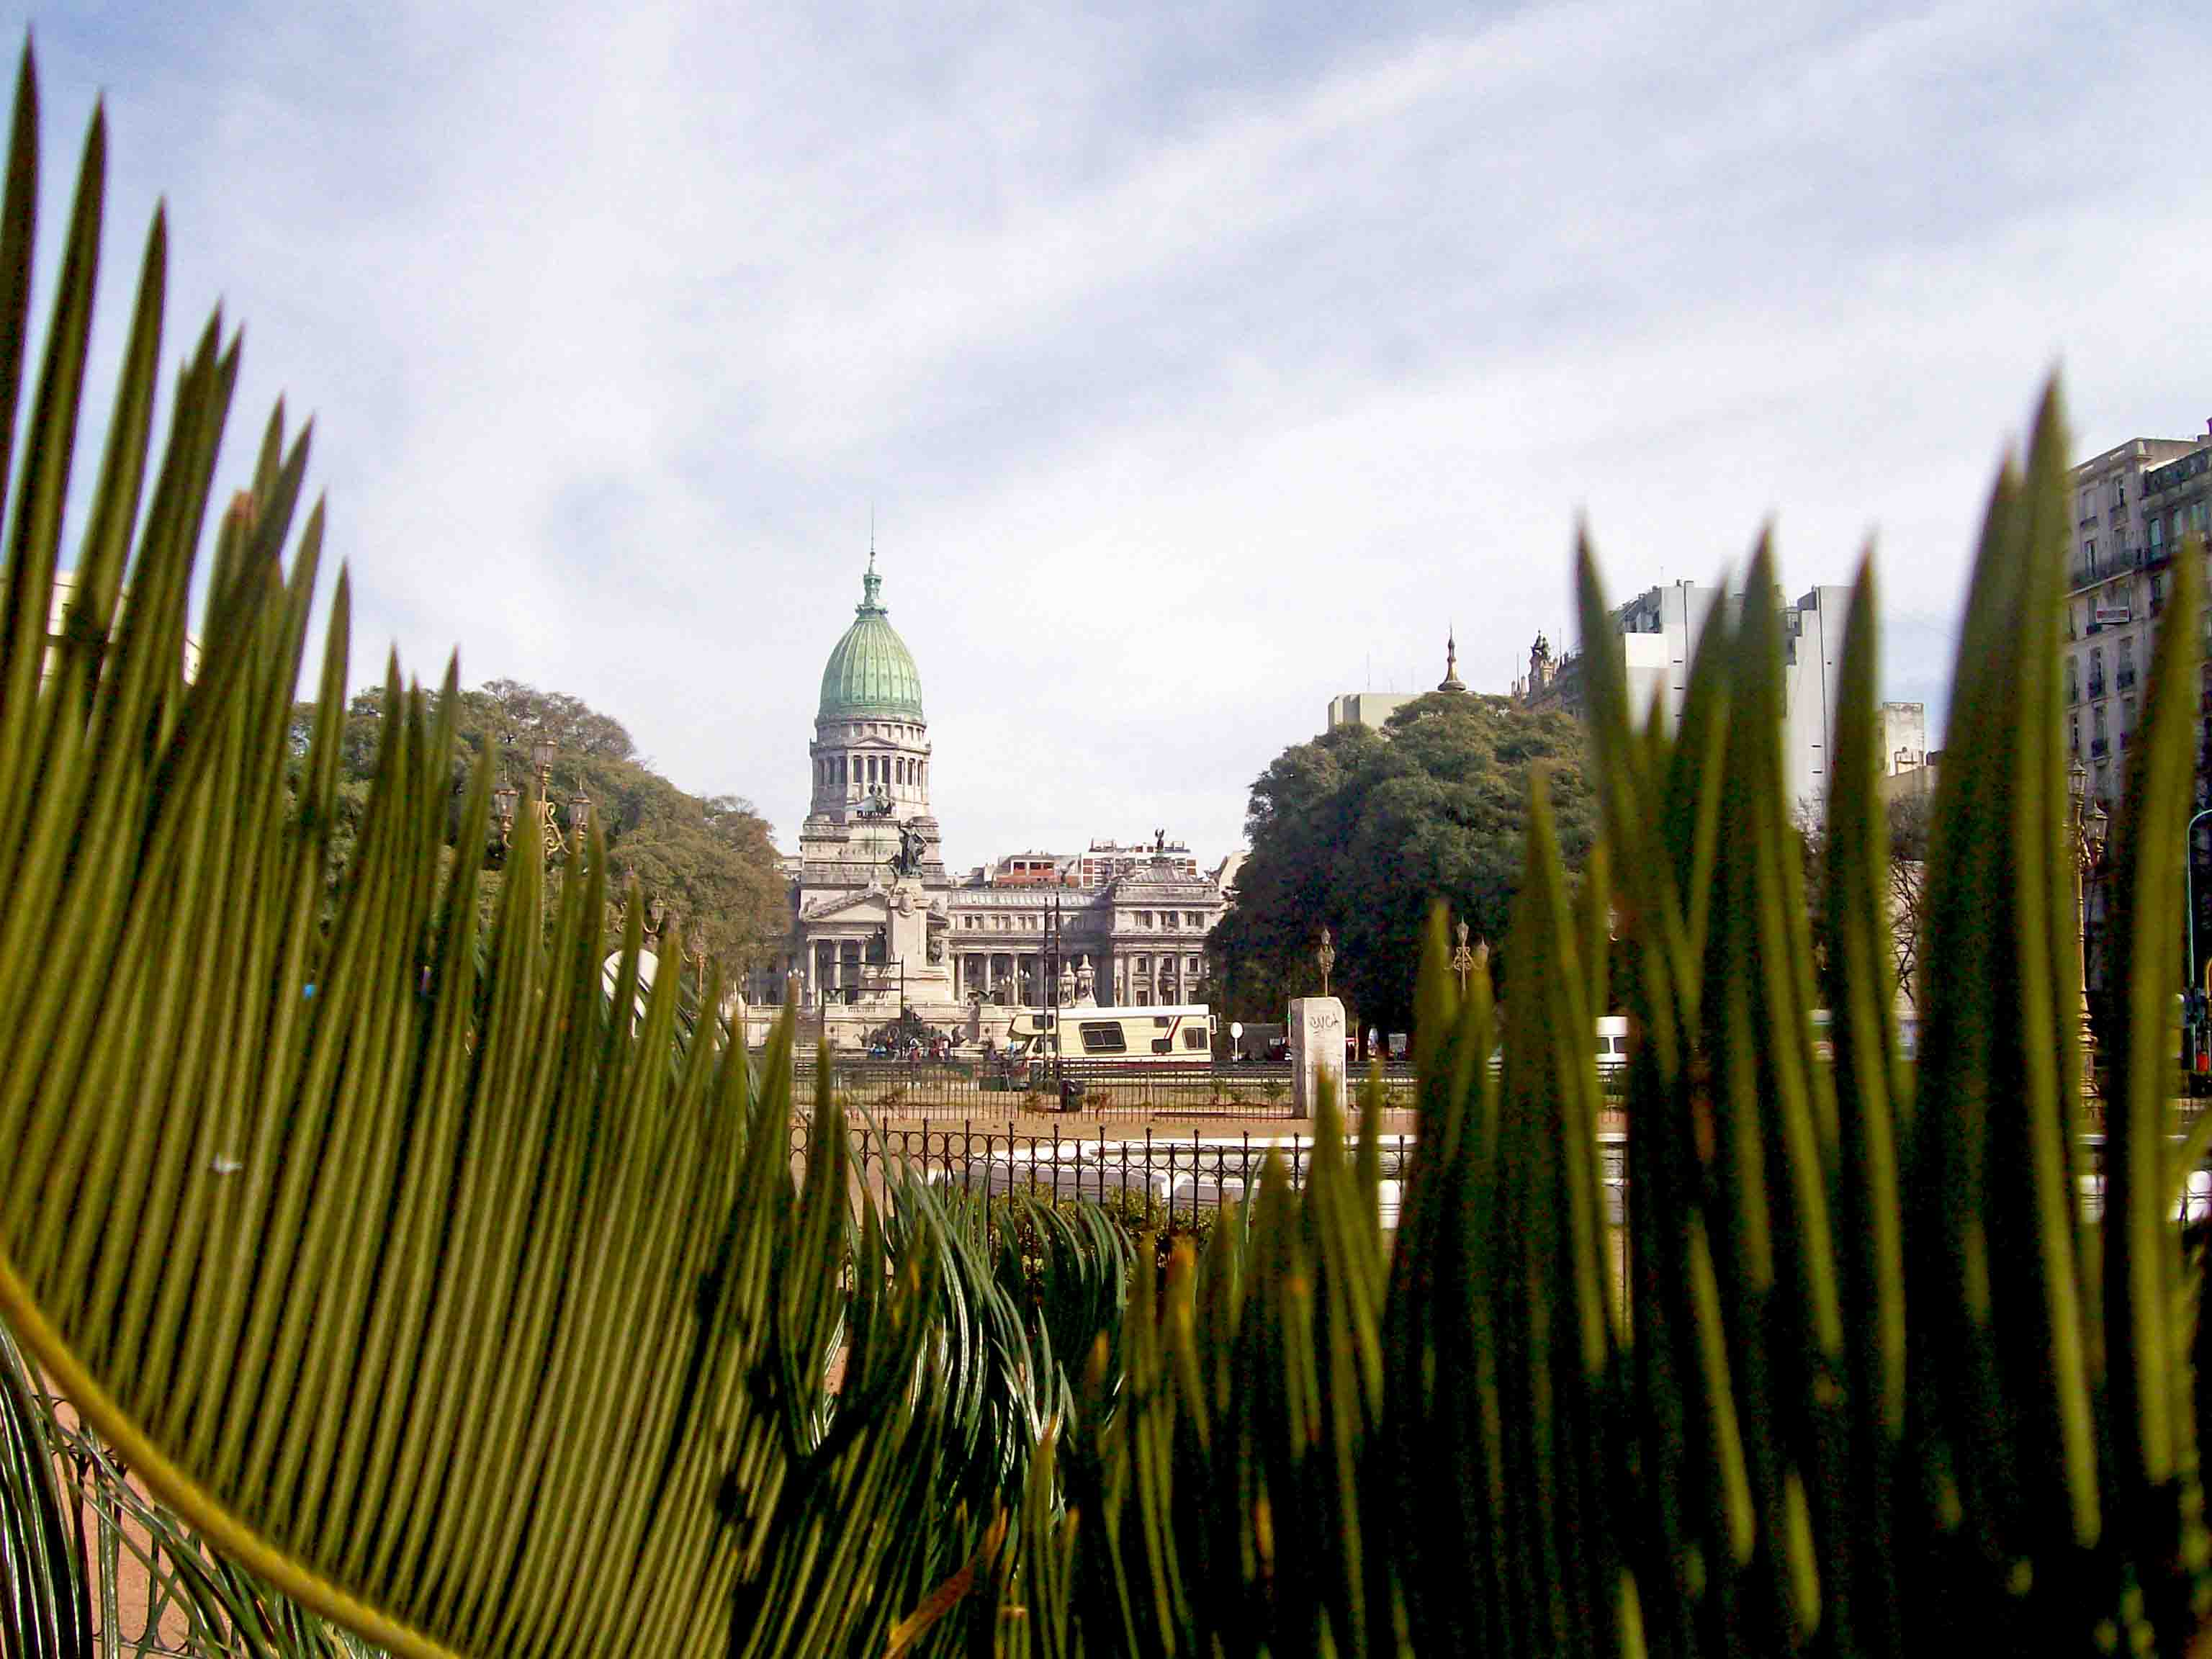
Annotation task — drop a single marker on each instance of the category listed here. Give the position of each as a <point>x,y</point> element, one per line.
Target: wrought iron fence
<point>981,1087</point>
<point>986,1087</point>
<point>1177,1178</point>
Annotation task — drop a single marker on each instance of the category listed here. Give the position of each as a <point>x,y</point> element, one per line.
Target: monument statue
<point>914,847</point>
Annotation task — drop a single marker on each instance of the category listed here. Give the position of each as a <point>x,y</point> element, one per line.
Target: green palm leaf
<point>435,1297</point>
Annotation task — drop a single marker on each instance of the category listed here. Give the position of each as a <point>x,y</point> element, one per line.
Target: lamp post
<point>2189,901</point>
<point>1462,960</point>
<point>1051,966</point>
<point>543,753</point>
<point>2088,836</point>
<point>1326,958</point>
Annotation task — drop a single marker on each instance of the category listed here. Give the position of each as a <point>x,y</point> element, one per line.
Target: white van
<point>1612,1044</point>
<point>1111,1036</point>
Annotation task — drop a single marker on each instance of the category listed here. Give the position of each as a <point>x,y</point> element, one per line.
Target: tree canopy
<point>710,860</point>
<point>1362,831</point>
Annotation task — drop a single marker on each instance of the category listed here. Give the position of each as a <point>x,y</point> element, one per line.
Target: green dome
<point>871,674</point>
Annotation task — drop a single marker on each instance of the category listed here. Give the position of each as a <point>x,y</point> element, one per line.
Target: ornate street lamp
<point>1462,960</point>
<point>2088,837</point>
<point>1326,958</point>
<point>543,753</point>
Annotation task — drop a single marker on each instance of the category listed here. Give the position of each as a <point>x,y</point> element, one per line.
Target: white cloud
<point>1190,360</point>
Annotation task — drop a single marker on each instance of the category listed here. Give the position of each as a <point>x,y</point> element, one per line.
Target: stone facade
<point>2136,506</point>
<point>877,924</point>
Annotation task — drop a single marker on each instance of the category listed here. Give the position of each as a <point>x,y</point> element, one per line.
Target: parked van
<point>1109,1036</point>
<point>1612,1043</point>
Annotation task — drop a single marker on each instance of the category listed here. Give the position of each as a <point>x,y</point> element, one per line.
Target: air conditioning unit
<point>2112,615</point>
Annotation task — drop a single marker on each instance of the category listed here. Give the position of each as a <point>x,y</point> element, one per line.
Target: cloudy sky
<point>1197,363</point>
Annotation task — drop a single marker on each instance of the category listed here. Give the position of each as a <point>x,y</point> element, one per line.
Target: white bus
<point>1110,1036</point>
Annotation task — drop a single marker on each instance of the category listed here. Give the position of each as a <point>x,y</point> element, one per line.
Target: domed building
<point>869,892</point>
<point>877,923</point>
<point>870,748</point>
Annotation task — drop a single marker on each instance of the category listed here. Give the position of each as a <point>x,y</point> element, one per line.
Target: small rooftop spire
<point>871,584</point>
<point>1451,681</point>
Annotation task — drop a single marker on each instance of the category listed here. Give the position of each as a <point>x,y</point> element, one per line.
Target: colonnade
<point>864,770</point>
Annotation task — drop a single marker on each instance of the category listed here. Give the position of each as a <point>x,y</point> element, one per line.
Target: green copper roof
<point>871,674</point>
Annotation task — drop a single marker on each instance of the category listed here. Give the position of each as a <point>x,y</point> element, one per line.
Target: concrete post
<point>1317,1052</point>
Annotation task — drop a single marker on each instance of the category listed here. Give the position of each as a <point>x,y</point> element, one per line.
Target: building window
<point>1144,965</point>
<point>1167,919</point>
<point>1145,919</point>
<point>2074,733</point>
<point>1190,965</point>
<point>2089,556</point>
<point>2158,532</point>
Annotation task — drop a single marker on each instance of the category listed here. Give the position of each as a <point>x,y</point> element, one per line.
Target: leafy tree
<point>709,860</point>
<point>1363,831</point>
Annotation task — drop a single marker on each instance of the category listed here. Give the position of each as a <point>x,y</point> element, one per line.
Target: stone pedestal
<point>1317,1052</point>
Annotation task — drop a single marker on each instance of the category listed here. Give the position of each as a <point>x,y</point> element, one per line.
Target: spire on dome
<point>871,584</point>
<point>1451,680</point>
